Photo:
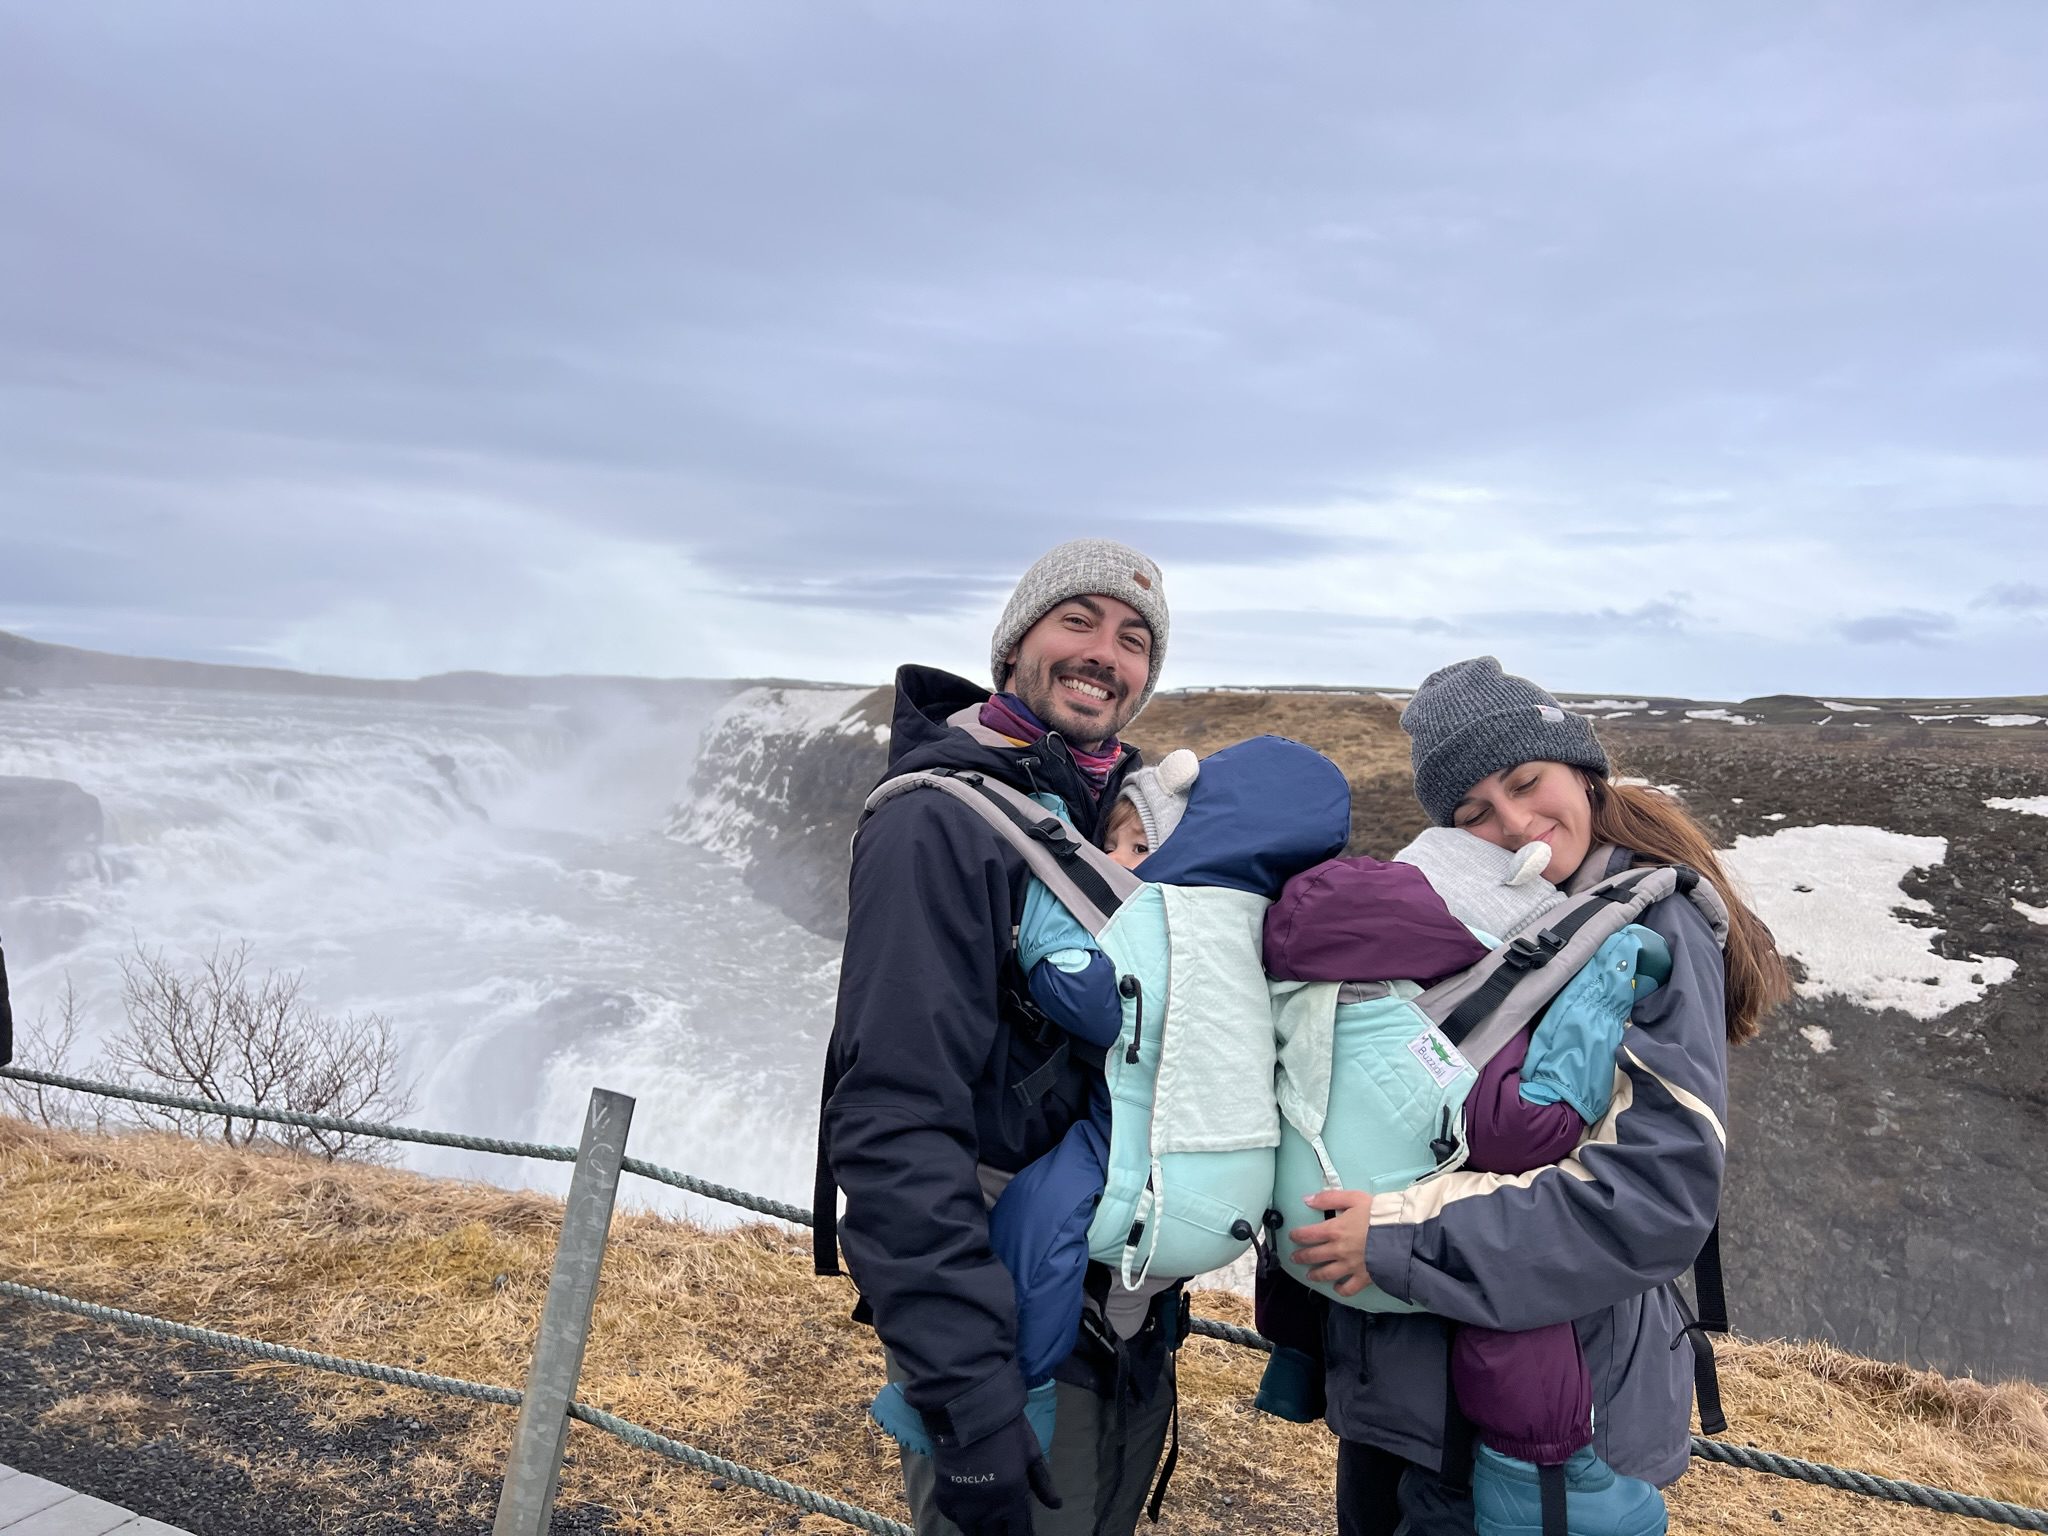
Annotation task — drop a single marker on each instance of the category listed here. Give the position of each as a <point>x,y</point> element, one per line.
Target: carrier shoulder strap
<point>1088,882</point>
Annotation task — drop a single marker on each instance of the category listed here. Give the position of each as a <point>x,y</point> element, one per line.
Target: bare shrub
<point>43,1045</point>
<point>221,1033</point>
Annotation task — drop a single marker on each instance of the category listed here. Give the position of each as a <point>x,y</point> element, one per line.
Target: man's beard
<point>1047,699</point>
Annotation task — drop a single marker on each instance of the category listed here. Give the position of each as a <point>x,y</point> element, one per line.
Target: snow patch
<point>1821,1041</point>
<point>1832,896</point>
<point>2038,806</point>
<point>1846,709</point>
<point>1774,816</point>
<point>793,711</point>
<point>1663,789</point>
<point>1986,719</point>
<point>1718,714</point>
<point>1588,706</point>
<point>2032,914</point>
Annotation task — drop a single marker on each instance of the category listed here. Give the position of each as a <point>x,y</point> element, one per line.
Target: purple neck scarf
<point>1008,714</point>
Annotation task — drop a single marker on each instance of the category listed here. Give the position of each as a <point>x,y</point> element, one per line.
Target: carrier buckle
<point>1053,833</point>
<point>1533,952</point>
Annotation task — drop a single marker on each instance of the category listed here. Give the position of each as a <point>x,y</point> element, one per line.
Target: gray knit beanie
<point>1083,568</point>
<point>1471,719</point>
<point>1160,795</point>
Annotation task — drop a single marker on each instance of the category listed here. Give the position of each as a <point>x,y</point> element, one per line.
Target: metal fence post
<point>526,1505</point>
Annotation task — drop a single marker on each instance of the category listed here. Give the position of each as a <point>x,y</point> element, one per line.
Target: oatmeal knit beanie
<point>1160,794</point>
<point>1471,719</point>
<point>1083,568</point>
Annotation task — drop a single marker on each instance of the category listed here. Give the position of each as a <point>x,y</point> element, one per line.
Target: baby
<point>1149,806</point>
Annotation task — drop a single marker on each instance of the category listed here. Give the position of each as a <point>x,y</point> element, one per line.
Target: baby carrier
<point>1373,1076</point>
<point>1193,1125</point>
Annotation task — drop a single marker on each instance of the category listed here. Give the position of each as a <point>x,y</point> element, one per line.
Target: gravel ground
<point>178,1433</point>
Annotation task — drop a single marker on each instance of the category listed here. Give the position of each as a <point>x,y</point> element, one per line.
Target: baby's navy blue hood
<point>1260,813</point>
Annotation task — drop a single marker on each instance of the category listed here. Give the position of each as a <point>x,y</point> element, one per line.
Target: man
<point>940,1082</point>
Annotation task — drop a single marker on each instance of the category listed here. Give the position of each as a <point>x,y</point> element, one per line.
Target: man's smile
<point>1087,690</point>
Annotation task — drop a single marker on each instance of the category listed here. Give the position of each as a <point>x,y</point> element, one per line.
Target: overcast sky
<point>1688,348</point>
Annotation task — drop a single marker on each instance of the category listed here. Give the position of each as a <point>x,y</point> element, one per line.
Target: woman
<point>1596,1240</point>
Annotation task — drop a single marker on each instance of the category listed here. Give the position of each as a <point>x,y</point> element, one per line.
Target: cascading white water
<point>494,881</point>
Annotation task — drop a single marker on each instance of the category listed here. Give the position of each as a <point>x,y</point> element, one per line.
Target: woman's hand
<point>1333,1250</point>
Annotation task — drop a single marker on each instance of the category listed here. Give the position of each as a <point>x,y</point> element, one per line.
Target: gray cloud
<point>2014,597</point>
<point>1907,626</point>
<point>1665,616</point>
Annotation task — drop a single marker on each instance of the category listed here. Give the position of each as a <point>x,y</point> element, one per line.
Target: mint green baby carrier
<point>1193,1122</point>
<point>1373,1076</point>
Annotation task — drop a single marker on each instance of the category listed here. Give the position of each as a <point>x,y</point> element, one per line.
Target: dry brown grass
<point>1359,732</point>
<point>119,1416</point>
<point>726,1341</point>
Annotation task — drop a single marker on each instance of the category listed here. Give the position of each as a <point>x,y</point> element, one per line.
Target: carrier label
<point>1439,1058</point>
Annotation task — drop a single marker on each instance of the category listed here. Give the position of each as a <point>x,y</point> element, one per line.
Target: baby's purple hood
<point>1365,920</point>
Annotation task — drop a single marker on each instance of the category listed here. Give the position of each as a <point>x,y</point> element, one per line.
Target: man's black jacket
<point>926,1056</point>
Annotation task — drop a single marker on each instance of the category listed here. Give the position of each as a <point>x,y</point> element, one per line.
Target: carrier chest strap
<point>1088,883</point>
<point>1532,952</point>
<point>1482,1010</point>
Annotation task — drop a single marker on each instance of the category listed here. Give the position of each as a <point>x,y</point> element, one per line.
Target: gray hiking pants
<point>1102,1468</point>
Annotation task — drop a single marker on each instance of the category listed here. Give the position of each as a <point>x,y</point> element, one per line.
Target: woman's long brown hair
<point>1657,828</point>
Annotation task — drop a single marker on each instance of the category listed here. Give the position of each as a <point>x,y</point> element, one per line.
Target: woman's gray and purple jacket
<point>1571,1234</point>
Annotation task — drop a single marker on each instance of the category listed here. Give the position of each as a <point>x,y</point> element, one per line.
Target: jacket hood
<point>1260,812</point>
<point>1365,920</point>
<point>922,737</point>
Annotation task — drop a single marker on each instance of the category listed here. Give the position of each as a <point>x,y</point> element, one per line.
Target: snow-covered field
<point>1832,896</point>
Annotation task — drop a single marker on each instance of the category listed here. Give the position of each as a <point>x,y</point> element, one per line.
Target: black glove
<point>986,1487</point>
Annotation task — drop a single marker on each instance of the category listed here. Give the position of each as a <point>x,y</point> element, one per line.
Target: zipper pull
<point>1129,987</point>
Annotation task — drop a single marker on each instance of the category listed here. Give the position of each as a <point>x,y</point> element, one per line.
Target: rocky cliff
<point>777,789</point>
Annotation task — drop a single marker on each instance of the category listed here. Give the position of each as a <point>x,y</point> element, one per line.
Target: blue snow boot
<point>1585,1498</point>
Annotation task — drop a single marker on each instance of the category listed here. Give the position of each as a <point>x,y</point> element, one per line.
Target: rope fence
<point>1744,1457</point>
